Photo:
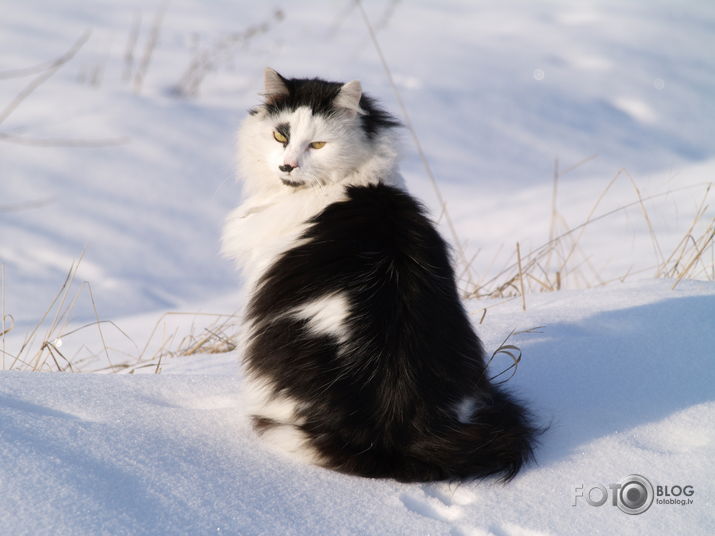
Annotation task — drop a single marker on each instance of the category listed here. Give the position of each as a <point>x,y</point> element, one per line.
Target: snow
<point>623,375</point>
<point>622,371</point>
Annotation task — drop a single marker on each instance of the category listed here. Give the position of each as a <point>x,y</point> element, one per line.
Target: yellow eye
<point>280,138</point>
<point>317,145</point>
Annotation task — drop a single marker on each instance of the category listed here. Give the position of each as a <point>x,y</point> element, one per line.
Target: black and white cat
<point>359,356</point>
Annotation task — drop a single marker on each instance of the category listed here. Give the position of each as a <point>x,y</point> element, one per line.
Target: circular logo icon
<point>635,494</point>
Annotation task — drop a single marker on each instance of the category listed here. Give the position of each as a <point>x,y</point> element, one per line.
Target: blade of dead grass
<point>675,258</point>
<point>701,244</point>
<point>589,219</point>
<point>43,77</point>
<point>654,238</point>
<point>521,277</point>
<point>99,324</point>
<point>418,145</point>
<point>151,43</point>
<point>63,303</point>
<point>62,313</point>
<point>510,350</point>
<point>555,215</point>
<point>179,313</point>
<point>5,328</point>
<point>33,333</point>
<point>529,259</point>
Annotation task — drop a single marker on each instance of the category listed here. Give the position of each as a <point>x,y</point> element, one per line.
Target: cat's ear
<point>348,98</point>
<point>274,85</point>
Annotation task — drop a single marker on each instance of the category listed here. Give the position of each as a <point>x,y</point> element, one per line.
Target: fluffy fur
<point>358,353</point>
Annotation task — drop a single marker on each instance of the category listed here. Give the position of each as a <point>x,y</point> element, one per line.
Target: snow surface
<point>624,374</point>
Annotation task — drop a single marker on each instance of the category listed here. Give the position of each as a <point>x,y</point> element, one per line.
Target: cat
<point>358,354</point>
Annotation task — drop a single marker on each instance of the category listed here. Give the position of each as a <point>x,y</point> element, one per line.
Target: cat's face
<point>307,149</point>
<point>308,133</point>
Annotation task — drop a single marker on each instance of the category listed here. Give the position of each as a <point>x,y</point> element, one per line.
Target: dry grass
<point>166,341</point>
<point>43,73</point>
<point>512,352</point>
<point>129,53</point>
<point>44,347</point>
<point>563,262</point>
<point>54,345</point>
<point>150,45</point>
<point>221,52</point>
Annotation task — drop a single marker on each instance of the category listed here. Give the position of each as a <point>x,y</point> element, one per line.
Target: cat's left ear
<point>274,85</point>
<point>348,98</point>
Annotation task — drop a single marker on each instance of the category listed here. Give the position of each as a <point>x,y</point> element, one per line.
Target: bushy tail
<point>498,441</point>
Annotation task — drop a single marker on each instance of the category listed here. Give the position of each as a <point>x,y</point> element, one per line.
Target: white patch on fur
<point>265,226</point>
<point>260,400</point>
<point>465,409</point>
<point>326,315</point>
<point>289,440</point>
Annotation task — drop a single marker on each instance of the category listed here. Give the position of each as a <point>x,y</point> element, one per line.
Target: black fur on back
<point>383,403</point>
<point>319,95</point>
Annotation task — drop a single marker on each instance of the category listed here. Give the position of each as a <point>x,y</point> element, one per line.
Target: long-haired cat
<point>358,356</point>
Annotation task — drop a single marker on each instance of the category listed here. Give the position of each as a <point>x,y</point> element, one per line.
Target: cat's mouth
<point>292,184</point>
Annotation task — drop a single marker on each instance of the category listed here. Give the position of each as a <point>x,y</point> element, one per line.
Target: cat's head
<point>309,132</point>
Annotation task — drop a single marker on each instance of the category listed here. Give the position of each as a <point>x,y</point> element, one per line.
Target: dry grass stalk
<point>29,339</point>
<point>698,247</point>
<point>554,191</point>
<point>62,142</point>
<point>484,315</point>
<point>521,278</point>
<point>151,43</point>
<point>219,337</point>
<point>98,322</point>
<point>222,51</point>
<point>556,217</point>
<point>44,75</point>
<point>534,268</point>
<point>5,328</point>
<point>423,157</point>
<point>656,246</point>
<point>27,205</point>
<point>131,45</point>
<point>669,267</point>
<point>45,352</point>
<point>46,71</point>
<point>589,219</point>
<point>512,351</point>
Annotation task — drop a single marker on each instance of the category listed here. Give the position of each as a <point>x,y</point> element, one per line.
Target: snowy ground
<point>496,92</point>
<point>623,374</point>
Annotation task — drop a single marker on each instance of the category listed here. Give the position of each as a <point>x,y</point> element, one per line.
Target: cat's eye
<point>317,145</point>
<point>280,138</point>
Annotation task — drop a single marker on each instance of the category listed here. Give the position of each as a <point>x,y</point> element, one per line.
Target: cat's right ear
<point>274,86</point>
<point>348,98</point>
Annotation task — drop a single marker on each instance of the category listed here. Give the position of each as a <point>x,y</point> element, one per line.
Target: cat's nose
<point>288,167</point>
